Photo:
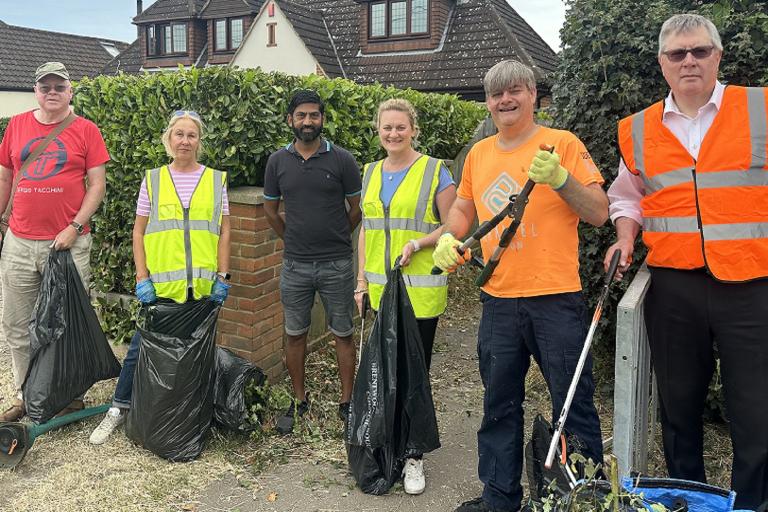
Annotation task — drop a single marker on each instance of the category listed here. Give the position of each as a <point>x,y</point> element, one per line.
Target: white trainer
<point>114,418</point>
<point>414,481</point>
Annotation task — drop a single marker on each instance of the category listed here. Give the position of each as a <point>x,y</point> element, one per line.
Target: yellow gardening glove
<point>446,256</point>
<point>546,168</point>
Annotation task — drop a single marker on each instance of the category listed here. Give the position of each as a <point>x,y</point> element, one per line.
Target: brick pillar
<point>251,322</point>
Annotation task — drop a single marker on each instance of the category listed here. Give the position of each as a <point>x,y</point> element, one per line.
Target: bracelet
<point>364,290</point>
<point>416,246</point>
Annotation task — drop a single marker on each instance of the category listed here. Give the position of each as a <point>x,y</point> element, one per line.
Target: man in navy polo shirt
<point>316,180</point>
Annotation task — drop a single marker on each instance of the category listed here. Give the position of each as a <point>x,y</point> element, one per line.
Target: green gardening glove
<point>545,168</point>
<point>446,256</point>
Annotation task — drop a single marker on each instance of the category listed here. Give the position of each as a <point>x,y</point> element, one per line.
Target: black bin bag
<point>391,414</point>
<point>233,375</point>
<point>68,349</point>
<point>172,399</point>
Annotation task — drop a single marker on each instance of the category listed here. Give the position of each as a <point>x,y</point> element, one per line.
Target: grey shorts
<point>333,280</point>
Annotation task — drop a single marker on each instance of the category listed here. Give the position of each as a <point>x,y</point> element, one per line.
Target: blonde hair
<point>404,106</point>
<point>175,118</point>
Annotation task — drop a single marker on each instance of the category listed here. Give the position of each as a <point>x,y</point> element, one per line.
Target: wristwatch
<point>225,276</point>
<point>78,227</point>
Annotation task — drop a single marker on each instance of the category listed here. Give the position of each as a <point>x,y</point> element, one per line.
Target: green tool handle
<point>53,424</point>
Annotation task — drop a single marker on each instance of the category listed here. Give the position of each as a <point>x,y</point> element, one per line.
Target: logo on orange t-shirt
<point>496,196</point>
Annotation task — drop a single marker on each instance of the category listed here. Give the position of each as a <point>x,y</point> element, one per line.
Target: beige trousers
<point>22,263</point>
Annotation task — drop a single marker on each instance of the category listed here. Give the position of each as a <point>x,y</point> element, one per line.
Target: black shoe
<point>344,411</point>
<point>285,422</point>
<point>477,505</point>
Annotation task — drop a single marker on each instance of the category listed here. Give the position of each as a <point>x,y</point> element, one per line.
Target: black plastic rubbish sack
<point>233,375</point>
<point>68,349</point>
<point>172,398</point>
<point>391,414</point>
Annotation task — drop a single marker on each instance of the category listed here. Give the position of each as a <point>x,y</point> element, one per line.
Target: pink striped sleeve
<point>142,204</point>
<point>224,200</point>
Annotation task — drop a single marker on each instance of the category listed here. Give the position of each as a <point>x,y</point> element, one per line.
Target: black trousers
<point>687,313</point>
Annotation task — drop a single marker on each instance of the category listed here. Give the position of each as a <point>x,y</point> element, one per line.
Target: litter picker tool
<point>16,438</point>
<point>366,305</point>
<point>515,210</point>
<point>558,433</point>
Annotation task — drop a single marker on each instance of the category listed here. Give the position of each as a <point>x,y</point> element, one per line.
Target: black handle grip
<point>612,267</point>
<point>436,271</point>
<point>366,303</point>
<point>486,273</point>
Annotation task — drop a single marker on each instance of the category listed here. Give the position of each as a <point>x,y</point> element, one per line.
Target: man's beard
<point>308,135</point>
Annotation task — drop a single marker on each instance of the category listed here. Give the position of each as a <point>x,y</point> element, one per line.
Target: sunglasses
<point>45,89</point>
<point>190,113</point>
<point>699,53</point>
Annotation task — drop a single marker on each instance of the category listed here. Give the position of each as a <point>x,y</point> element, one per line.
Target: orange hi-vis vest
<point>711,212</point>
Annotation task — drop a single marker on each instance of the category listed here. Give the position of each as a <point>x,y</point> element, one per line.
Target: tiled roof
<point>480,33</point>
<point>23,49</point>
<point>312,29</point>
<point>170,10</point>
<point>129,61</point>
<point>225,8</point>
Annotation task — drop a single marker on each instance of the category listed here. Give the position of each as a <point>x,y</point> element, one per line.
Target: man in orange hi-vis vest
<point>693,175</point>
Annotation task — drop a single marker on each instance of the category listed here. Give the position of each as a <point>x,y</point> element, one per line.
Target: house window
<point>398,18</point>
<point>228,34</point>
<point>379,20</point>
<point>167,39</point>
<point>151,41</point>
<point>271,34</point>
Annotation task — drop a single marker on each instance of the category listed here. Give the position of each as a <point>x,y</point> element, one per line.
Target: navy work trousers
<point>551,328</point>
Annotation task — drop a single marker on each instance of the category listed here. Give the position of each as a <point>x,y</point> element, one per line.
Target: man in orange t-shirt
<point>532,303</point>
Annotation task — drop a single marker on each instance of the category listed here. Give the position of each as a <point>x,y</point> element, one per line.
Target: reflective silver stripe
<point>667,179</point>
<point>194,225</point>
<point>742,231</point>
<point>671,224</point>
<point>757,125</point>
<point>218,185</point>
<point>181,275</point>
<point>373,277</point>
<point>367,177</point>
<point>154,179</point>
<point>415,281</point>
<point>638,135</point>
<point>738,178</point>
<point>426,188</point>
<point>403,224</point>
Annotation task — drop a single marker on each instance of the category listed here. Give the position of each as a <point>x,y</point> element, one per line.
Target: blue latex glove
<point>145,291</point>
<point>219,291</point>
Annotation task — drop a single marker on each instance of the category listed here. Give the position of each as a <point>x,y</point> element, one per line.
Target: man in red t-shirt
<point>52,204</point>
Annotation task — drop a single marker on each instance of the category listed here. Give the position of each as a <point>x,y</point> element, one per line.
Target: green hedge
<point>608,70</point>
<point>244,112</point>
<point>3,125</point>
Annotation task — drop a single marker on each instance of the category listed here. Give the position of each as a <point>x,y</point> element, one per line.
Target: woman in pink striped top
<point>182,143</point>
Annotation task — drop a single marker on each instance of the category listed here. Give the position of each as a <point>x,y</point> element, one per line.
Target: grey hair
<point>507,73</point>
<point>685,23</point>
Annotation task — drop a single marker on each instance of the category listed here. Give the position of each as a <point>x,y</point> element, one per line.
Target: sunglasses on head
<point>699,52</point>
<point>190,113</point>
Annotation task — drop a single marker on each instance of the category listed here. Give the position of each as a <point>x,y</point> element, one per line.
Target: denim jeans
<point>122,398</point>
<point>551,328</point>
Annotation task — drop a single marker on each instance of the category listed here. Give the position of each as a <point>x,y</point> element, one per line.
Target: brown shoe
<point>14,413</point>
<point>74,406</point>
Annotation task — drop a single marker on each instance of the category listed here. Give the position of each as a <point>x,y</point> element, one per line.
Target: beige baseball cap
<point>51,68</point>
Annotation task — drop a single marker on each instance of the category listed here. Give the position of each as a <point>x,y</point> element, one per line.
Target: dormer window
<point>227,34</point>
<point>398,18</point>
<point>167,39</point>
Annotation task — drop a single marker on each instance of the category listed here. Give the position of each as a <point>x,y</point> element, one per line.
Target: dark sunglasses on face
<point>699,53</point>
<point>45,89</point>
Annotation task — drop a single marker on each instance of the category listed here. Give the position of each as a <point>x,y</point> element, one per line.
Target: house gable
<point>288,53</point>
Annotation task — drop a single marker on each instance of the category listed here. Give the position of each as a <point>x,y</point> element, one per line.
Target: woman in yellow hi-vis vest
<point>180,241</point>
<point>404,198</point>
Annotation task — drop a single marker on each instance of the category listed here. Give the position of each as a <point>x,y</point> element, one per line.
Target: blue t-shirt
<point>390,181</point>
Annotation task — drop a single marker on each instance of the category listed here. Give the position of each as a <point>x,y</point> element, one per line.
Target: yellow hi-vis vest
<point>409,216</point>
<point>181,244</point>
